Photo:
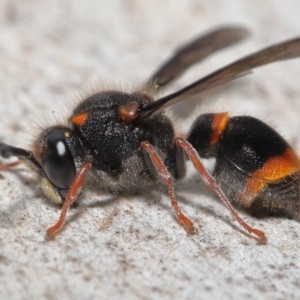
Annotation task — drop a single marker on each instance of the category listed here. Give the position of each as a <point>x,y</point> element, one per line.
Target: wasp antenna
<point>7,151</point>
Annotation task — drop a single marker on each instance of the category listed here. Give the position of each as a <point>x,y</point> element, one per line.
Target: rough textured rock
<point>130,246</point>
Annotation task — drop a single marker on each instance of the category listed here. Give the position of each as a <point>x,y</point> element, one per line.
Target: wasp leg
<point>161,170</point>
<point>70,199</point>
<point>8,166</point>
<point>212,184</point>
<point>180,163</point>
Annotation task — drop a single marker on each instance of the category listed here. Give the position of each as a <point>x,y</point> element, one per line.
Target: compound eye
<point>59,164</point>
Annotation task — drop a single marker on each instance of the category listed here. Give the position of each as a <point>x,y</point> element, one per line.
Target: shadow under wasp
<point>125,139</point>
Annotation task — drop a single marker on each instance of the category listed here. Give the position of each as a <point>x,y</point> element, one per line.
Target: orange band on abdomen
<point>279,167</point>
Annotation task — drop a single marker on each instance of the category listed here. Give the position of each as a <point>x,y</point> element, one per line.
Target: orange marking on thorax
<point>278,167</point>
<point>128,112</point>
<point>79,119</point>
<point>219,124</point>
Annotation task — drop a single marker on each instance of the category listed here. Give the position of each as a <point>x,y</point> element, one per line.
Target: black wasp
<point>125,139</point>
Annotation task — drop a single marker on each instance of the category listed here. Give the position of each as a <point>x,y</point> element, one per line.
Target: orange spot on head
<point>219,125</point>
<point>79,119</point>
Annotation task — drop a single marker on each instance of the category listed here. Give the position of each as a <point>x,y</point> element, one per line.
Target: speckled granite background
<point>130,246</point>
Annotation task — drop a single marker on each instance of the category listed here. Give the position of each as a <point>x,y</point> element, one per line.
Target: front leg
<point>70,199</point>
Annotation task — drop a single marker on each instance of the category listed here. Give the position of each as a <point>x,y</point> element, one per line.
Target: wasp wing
<point>286,50</point>
<point>196,51</point>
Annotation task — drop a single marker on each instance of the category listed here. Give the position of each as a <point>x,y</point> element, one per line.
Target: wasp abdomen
<point>252,160</point>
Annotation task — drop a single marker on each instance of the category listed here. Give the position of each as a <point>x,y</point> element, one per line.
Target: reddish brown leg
<point>166,176</point>
<point>211,183</point>
<point>71,197</point>
<point>8,166</point>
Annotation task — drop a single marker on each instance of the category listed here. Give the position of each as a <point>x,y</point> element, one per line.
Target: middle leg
<point>156,166</point>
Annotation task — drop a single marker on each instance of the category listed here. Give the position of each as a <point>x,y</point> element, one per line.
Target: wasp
<point>126,139</point>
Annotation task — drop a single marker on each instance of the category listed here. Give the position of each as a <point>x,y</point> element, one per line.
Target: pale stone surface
<point>130,246</point>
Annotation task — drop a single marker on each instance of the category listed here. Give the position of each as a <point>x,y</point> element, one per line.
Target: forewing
<point>282,51</point>
<point>196,51</point>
